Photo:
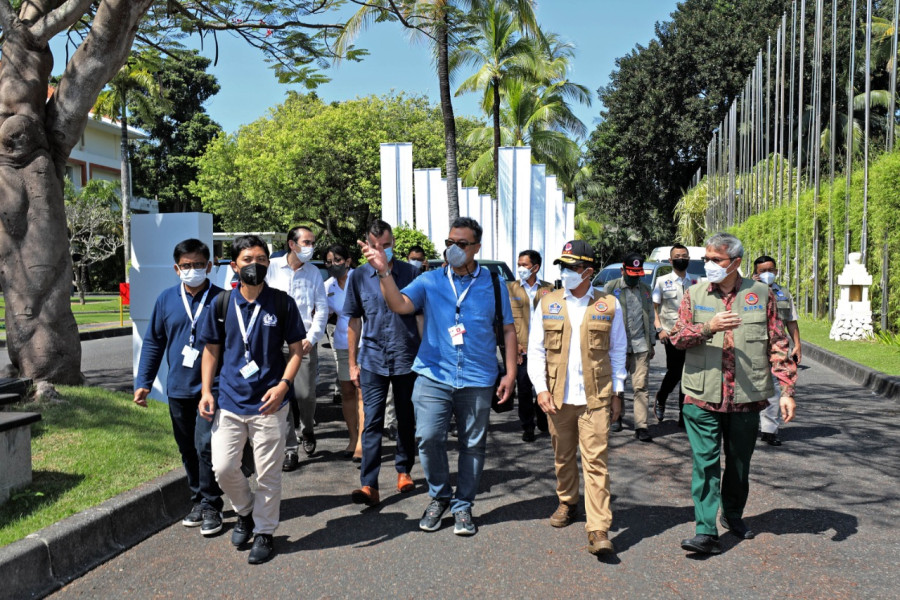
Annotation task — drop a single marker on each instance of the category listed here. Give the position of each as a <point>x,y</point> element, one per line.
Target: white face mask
<point>416,263</point>
<point>571,279</point>
<point>305,254</point>
<point>715,272</point>
<point>524,273</point>
<point>767,278</point>
<point>192,277</point>
<point>456,256</point>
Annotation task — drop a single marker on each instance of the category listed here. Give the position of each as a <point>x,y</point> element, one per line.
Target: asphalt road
<point>824,505</point>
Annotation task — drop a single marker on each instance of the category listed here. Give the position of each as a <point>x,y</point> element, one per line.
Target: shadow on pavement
<point>785,521</point>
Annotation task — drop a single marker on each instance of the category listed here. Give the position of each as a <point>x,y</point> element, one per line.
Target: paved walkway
<point>824,506</point>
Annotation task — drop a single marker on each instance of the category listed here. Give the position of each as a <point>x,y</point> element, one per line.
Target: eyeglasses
<point>706,259</point>
<point>193,265</point>
<point>461,243</point>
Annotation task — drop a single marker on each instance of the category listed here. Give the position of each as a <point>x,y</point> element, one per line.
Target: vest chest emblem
<point>617,291</point>
<point>601,318</point>
<point>751,299</point>
<point>601,307</point>
<point>544,292</point>
<point>555,308</point>
<point>669,284</point>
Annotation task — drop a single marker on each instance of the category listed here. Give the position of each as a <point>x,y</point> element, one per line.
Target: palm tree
<point>501,52</point>
<point>134,87</point>
<point>443,23</point>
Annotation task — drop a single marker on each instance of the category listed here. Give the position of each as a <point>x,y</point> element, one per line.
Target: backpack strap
<point>222,312</point>
<point>498,319</point>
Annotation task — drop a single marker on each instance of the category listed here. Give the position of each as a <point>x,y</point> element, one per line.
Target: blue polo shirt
<point>241,395</point>
<point>168,333</point>
<point>474,363</point>
<point>390,341</point>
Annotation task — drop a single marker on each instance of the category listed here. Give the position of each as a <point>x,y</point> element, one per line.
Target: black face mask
<point>632,280</point>
<point>253,274</point>
<point>337,271</point>
<point>680,264</point>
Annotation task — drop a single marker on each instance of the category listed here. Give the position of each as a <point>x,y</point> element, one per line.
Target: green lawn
<point>96,309</point>
<point>91,447</point>
<point>872,354</point>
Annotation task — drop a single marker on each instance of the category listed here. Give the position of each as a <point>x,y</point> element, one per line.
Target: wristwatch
<point>384,275</point>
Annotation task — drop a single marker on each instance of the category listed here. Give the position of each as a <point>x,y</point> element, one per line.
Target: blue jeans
<point>434,403</point>
<point>192,435</point>
<point>374,394</point>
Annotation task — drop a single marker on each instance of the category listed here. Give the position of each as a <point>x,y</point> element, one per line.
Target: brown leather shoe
<point>564,515</point>
<point>404,483</point>
<point>365,495</point>
<point>598,543</point>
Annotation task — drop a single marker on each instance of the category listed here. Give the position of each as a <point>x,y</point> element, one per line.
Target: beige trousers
<point>577,427</point>
<point>638,366</point>
<point>266,434</point>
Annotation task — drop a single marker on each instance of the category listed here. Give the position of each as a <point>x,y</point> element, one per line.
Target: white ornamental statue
<point>853,317</point>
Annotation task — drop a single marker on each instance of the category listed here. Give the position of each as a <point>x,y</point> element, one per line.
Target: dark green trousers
<point>708,432</point>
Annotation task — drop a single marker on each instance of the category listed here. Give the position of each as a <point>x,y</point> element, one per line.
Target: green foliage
<point>405,237</point>
<point>316,163</point>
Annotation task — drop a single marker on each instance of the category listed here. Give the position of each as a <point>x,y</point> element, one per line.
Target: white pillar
<point>514,196</point>
<point>570,220</point>
<point>153,237</point>
<point>440,218</point>
<point>422,201</point>
<point>538,208</point>
<point>487,223</point>
<point>397,183</point>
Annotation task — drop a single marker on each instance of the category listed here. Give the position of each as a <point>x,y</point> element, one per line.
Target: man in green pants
<point>734,343</point>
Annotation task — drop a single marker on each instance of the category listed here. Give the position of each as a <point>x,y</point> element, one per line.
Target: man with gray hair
<point>734,343</point>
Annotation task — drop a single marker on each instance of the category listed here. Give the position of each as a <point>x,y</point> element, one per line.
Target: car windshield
<point>610,273</point>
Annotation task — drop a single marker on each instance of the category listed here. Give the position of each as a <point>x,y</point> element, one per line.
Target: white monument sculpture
<point>853,317</point>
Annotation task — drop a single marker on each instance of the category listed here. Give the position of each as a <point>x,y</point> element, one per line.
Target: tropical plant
<point>94,233</point>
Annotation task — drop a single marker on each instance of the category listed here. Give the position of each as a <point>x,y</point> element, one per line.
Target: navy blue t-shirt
<point>238,394</point>
<point>168,333</point>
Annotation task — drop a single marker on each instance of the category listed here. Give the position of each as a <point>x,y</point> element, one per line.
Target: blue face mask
<point>389,253</point>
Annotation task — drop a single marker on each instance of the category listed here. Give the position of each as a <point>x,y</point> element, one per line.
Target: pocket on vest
<point>598,339</point>
<point>756,339</point>
<point>694,373</point>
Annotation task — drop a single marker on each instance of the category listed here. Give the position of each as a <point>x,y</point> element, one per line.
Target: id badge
<point>456,334</point>
<point>250,369</point>
<point>189,357</point>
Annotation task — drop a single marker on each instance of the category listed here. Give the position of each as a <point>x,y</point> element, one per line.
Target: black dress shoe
<point>263,548</point>
<point>702,544</point>
<point>771,439</point>
<point>616,425</point>
<point>737,527</point>
<point>528,435</point>
<point>643,435</point>
<point>290,462</point>
<point>309,443</point>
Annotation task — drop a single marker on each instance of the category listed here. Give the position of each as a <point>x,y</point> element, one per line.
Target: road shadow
<point>787,521</point>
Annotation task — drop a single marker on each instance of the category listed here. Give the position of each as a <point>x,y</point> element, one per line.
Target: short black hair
<point>190,246</point>
<point>294,233</point>
<point>677,247</point>
<point>533,255</point>
<point>338,250</point>
<point>378,228</point>
<point>416,249</point>
<point>763,259</point>
<point>247,241</point>
<point>468,223</point>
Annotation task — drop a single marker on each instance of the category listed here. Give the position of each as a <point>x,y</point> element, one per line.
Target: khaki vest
<point>702,376</point>
<point>594,336</point>
<point>521,306</point>
<point>785,305</point>
<point>672,294</point>
<point>615,287</point>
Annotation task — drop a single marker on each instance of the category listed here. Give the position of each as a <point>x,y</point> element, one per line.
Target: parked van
<point>661,253</point>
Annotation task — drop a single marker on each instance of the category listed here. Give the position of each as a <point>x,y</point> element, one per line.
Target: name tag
<point>456,334</point>
<point>189,356</point>
<point>250,369</point>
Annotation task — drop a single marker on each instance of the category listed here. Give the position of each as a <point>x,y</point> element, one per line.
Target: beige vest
<point>522,306</point>
<point>702,376</point>
<point>672,293</point>
<point>594,336</point>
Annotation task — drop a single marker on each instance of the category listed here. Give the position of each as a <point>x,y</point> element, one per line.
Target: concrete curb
<point>96,334</point>
<point>45,561</point>
<point>880,383</point>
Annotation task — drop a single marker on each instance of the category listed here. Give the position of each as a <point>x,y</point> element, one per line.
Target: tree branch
<point>57,20</point>
<point>7,15</point>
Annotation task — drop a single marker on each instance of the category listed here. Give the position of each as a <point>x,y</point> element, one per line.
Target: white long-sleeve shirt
<point>306,287</point>
<point>537,355</point>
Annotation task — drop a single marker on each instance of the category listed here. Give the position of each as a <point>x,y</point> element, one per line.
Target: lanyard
<point>461,297</point>
<point>245,331</point>
<point>193,319</point>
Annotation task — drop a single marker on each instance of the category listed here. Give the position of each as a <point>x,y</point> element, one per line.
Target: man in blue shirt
<point>173,332</point>
<point>254,380</point>
<point>456,364</point>
<point>385,360</point>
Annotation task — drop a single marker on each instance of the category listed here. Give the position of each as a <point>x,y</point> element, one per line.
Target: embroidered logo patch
<point>636,263</point>
<point>751,298</point>
<point>544,292</point>
<point>669,283</point>
<point>567,249</point>
<point>270,320</point>
<point>555,308</point>
<point>601,307</point>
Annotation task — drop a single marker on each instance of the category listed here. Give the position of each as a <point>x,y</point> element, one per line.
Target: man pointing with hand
<point>734,343</point>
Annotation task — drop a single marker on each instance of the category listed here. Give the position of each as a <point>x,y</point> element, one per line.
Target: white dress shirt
<point>531,290</point>
<point>336,297</point>
<point>537,355</point>
<point>306,287</point>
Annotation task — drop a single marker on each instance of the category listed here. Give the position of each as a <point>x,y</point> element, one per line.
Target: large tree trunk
<point>36,136</point>
<point>125,181</point>
<point>449,120</point>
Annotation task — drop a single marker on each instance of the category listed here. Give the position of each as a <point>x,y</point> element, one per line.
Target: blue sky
<point>602,30</point>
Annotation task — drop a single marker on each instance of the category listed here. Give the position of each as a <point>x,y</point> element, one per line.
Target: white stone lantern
<point>853,317</point>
